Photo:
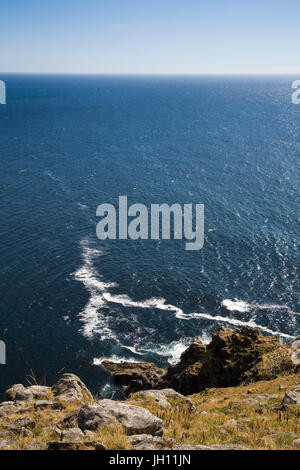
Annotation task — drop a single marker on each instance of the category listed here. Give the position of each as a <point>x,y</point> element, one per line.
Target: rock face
<point>231,358</point>
<point>292,397</point>
<point>134,376</point>
<point>71,389</point>
<point>136,420</point>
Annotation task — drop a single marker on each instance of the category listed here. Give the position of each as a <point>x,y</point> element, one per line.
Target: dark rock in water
<point>231,358</point>
<point>135,376</point>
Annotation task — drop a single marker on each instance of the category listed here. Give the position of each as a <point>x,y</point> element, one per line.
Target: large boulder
<point>292,397</point>
<point>231,358</point>
<point>134,376</point>
<point>136,420</point>
<point>20,393</point>
<point>71,389</point>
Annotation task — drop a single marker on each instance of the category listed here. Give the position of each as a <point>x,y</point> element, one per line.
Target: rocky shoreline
<point>233,357</point>
<point>241,391</point>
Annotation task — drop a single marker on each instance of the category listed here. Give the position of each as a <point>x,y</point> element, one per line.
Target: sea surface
<point>70,143</point>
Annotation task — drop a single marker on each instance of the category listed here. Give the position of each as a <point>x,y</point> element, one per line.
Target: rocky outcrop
<point>136,420</point>
<point>71,389</point>
<point>134,376</point>
<point>231,358</point>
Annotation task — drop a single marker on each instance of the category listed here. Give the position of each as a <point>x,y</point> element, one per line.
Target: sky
<point>150,36</point>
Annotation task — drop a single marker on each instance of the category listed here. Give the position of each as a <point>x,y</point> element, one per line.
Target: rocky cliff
<point>232,357</point>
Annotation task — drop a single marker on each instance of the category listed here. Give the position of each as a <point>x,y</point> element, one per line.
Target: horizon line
<point>236,74</point>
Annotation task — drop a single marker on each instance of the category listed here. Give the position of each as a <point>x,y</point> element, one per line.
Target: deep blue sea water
<point>70,143</point>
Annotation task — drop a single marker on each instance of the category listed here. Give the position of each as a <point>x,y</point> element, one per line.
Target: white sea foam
<point>237,305</point>
<point>233,321</point>
<point>97,361</point>
<point>95,321</point>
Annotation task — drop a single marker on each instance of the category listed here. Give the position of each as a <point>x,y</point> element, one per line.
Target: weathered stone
<point>292,397</point>
<point>20,423</point>
<point>71,389</point>
<point>10,407</point>
<point>72,435</point>
<point>135,419</point>
<point>20,393</point>
<point>70,421</point>
<point>135,376</point>
<point>157,396</point>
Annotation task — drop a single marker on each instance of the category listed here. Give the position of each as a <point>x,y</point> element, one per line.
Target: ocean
<point>71,143</point>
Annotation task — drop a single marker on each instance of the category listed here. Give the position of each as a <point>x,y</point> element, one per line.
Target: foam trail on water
<point>233,321</point>
<point>91,315</point>
<point>237,305</point>
<point>95,321</point>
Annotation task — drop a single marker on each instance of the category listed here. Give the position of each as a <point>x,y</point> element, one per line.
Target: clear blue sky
<point>150,36</point>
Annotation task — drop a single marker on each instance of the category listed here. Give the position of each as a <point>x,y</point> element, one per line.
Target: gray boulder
<point>136,420</point>
<point>163,397</point>
<point>292,397</point>
<point>20,393</point>
<point>72,435</point>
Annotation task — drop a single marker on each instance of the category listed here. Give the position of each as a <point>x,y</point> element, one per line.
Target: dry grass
<point>267,430</point>
<point>256,429</point>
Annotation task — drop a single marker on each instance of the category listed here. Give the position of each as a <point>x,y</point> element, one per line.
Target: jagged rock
<point>36,446</point>
<point>71,389</point>
<point>135,376</point>
<point>72,435</point>
<point>292,397</point>
<point>296,443</point>
<point>148,442</point>
<point>163,397</point>
<point>231,358</point>
<point>20,393</point>
<point>136,420</point>
<point>70,421</point>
